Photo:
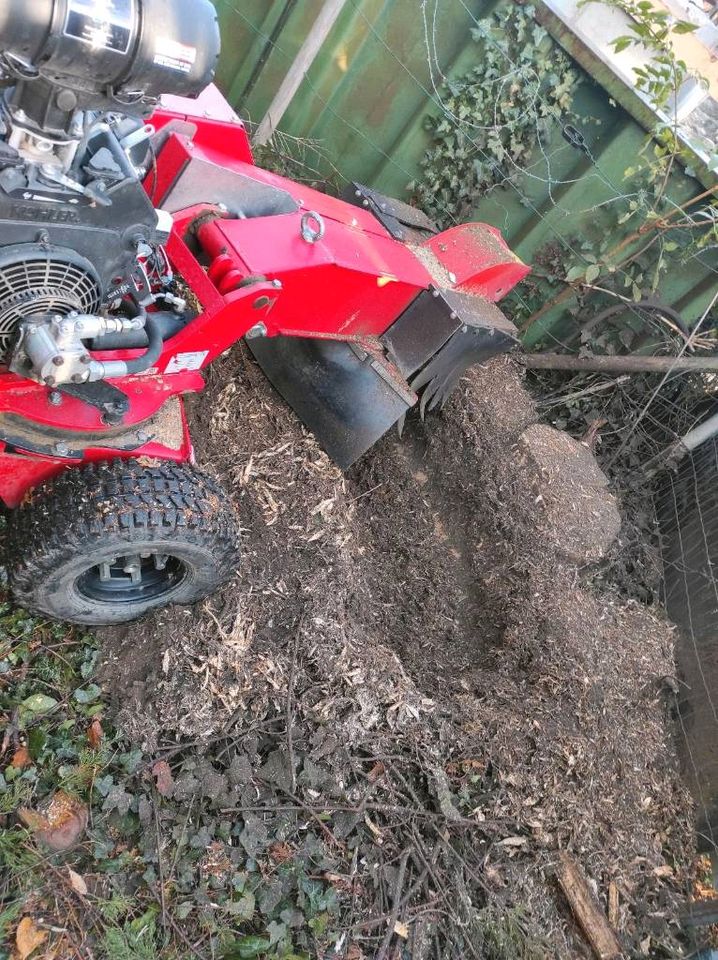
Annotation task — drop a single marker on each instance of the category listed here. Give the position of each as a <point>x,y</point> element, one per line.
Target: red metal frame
<point>352,284</point>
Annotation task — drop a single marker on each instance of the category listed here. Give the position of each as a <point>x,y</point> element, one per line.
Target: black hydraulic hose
<point>153,329</point>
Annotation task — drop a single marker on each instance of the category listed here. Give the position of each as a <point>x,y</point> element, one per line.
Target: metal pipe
<point>704,431</point>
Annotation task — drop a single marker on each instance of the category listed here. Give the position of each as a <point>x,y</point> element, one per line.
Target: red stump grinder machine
<point>138,242</point>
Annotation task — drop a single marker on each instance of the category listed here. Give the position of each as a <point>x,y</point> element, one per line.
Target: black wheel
<point>106,543</point>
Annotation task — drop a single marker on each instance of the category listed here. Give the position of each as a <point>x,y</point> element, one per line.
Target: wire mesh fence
<point>687,509</point>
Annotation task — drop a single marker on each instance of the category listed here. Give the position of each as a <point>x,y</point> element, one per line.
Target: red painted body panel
<point>353,283</point>
<point>479,259</point>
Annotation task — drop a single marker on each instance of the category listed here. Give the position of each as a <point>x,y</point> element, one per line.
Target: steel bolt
<point>57,360</point>
<point>86,358</point>
<point>277,284</point>
<point>357,193</point>
<point>62,449</point>
<point>261,302</point>
<point>54,398</point>
<point>50,381</point>
<point>258,330</point>
<point>78,378</point>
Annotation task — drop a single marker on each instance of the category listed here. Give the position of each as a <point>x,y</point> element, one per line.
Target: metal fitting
<point>258,330</point>
<point>312,227</point>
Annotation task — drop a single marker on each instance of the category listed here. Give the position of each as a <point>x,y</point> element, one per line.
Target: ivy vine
<point>492,116</point>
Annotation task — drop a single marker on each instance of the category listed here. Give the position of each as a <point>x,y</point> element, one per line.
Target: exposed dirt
<point>423,606</point>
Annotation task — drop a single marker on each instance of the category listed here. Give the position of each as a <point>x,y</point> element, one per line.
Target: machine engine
<point>81,255</point>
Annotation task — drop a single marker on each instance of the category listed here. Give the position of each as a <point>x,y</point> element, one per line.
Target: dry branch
<point>589,915</point>
<point>632,364</point>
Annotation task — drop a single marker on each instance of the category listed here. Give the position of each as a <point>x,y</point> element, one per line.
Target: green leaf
<point>247,948</point>
<point>621,43</point>
<point>38,703</point>
<point>575,273</point>
<point>592,272</point>
<point>242,908</point>
<point>683,26</point>
<point>636,291</point>
<point>87,695</point>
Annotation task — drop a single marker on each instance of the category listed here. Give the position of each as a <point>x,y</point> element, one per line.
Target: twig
<point>160,869</point>
<point>289,706</point>
<point>394,915</point>
<point>362,808</point>
<point>442,893</point>
<point>177,929</point>
<point>173,865</point>
<point>312,811</point>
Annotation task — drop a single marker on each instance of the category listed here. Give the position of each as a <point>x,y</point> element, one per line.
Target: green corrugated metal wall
<point>367,94</point>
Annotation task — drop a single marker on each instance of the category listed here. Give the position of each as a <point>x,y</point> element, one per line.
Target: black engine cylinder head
<point>105,54</point>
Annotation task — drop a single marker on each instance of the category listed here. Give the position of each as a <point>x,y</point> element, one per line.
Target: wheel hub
<point>132,577</point>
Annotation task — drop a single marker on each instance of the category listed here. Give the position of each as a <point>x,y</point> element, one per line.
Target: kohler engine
<point>81,255</point>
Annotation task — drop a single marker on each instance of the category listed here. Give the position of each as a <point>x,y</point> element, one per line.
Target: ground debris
<point>412,693</point>
<point>589,916</point>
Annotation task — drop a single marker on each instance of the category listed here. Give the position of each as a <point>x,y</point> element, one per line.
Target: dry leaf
<point>28,937</point>
<point>280,852</point>
<point>163,777</point>
<point>378,770</point>
<point>60,823</point>
<point>95,733</point>
<point>77,882</point>
<point>21,758</point>
<point>401,930</point>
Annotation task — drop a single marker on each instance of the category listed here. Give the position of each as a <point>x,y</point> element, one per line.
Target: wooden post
<point>623,364</point>
<point>298,70</point>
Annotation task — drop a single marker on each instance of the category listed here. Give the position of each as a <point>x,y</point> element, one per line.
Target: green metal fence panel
<point>365,100</point>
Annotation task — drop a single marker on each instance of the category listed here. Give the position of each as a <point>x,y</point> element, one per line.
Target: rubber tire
<point>89,514</point>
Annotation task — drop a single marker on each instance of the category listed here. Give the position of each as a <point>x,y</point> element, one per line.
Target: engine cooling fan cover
<point>35,280</point>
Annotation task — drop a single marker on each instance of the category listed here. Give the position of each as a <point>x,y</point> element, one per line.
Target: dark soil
<point>422,613</point>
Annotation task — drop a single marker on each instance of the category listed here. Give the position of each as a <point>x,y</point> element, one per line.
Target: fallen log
<point>588,914</point>
<point>622,364</point>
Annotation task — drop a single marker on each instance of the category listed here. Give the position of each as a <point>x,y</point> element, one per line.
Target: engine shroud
<point>59,257</point>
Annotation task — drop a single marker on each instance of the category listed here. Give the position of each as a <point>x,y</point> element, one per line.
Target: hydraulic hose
<point>153,330</point>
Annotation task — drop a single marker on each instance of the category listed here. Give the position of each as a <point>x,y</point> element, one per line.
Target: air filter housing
<point>36,281</point>
<point>87,54</point>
